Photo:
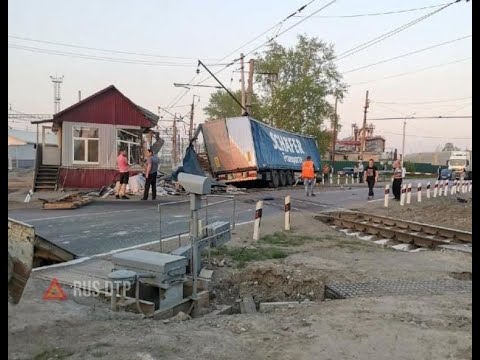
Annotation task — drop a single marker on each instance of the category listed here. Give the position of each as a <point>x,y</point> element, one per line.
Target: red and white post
<point>258,220</point>
<point>387,193</point>
<point>454,187</point>
<point>435,189</point>
<point>287,212</point>
<point>440,189</point>
<point>409,193</point>
<point>428,190</point>
<point>445,191</point>
<point>402,195</point>
<point>419,192</point>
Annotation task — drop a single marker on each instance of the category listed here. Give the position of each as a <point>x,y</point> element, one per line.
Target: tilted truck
<point>244,149</point>
<point>460,160</point>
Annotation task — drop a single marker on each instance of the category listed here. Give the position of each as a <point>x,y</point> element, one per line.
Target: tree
<point>222,105</point>
<point>295,97</point>
<point>450,147</point>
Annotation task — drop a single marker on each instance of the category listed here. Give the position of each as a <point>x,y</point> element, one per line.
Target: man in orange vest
<point>308,175</point>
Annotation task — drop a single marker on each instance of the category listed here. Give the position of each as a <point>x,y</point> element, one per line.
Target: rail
<point>423,235</point>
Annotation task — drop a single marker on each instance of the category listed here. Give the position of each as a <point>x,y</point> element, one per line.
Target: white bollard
<point>419,192</point>
<point>457,187</point>
<point>330,178</point>
<point>258,219</point>
<point>387,193</point>
<point>428,190</point>
<point>323,180</point>
<point>346,179</point>
<point>435,189</point>
<point>287,212</point>
<point>464,187</point>
<point>469,185</point>
<point>440,189</point>
<point>454,186</point>
<point>402,195</point>
<point>445,191</point>
<point>409,193</point>
<point>358,178</point>
<point>338,179</point>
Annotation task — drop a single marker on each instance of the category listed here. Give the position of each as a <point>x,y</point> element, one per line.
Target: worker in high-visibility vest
<point>308,176</point>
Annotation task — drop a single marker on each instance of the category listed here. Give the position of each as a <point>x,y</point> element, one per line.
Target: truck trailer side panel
<point>282,150</point>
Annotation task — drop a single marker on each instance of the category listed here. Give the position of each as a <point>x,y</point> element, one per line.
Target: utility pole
<point>57,80</point>
<point>242,81</point>
<point>79,95</point>
<point>403,142</point>
<point>174,142</point>
<point>364,127</point>
<point>250,87</point>
<point>335,132</point>
<point>190,129</point>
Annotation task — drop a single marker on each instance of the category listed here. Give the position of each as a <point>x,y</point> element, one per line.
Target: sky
<point>165,38</point>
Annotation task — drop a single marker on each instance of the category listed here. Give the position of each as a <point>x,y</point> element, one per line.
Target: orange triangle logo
<point>54,291</point>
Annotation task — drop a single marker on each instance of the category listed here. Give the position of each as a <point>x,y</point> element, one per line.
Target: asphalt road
<point>107,225</point>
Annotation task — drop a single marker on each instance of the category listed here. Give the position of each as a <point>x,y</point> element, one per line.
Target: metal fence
<point>174,218</point>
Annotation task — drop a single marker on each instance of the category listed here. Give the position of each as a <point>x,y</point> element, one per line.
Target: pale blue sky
<point>211,29</point>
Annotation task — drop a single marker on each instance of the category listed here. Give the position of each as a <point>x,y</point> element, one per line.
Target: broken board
<point>71,201</point>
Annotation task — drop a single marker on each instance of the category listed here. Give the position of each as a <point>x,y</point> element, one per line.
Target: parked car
<point>346,171</point>
<point>446,174</point>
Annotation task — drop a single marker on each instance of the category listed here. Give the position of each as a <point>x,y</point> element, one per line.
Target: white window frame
<point>85,140</point>
<point>129,143</point>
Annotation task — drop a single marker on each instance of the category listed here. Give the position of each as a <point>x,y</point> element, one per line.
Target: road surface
<point>107,225</point>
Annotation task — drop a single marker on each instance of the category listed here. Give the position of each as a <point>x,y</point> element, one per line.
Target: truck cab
<point>459,162</point>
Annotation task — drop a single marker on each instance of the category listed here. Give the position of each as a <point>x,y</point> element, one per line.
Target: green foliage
<point>221,105</point>
<point>292,87</point>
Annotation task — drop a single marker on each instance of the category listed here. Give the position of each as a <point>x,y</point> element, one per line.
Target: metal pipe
<point>233,214</point>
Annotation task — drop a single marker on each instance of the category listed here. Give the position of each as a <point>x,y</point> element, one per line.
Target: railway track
<point>408,232</point>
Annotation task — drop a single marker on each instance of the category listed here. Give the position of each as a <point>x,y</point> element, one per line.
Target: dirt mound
<point>279,282</point>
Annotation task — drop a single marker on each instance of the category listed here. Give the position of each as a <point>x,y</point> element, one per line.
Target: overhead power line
<point>102,49</point>
<point>393,12</point>
<point>408,54</point>
<point>412,72</point>
<point>100,58</point>
<point>428,137</point>
<point>420,102</point>
<point>423,117</point>
<point>391,33</point>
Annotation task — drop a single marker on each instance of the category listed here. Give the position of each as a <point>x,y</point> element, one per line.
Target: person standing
<point>308,175</point>
<point>123,169</point>
<point>151,175</point>
<point>397,179</point>
<point>371,176</point>
<point>360,171</point>
<point>326,172</point>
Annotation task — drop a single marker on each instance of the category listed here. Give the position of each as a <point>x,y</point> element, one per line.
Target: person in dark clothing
<point>151,175</point>
<point>397,179</point>
<point>371,175</point>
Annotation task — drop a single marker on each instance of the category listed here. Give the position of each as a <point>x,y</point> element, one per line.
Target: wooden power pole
<point>335,124</point>
<point>174,142</point>
<point>248,105</point>
<point>242,81</point>
<point>364,127</point>
<point>190,129</point>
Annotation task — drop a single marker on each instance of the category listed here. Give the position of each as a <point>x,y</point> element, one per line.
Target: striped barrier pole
<point>440,189</point>
<point>338,179</point>
<point>428,190</point>
<point>346,179</point>
<point>435,189</point>
<point>258,219</point>
<point>409,193</point>
<point>457,187</point>
<point>464,187</point>
<point>402,196</point>
<point>330,178</point>
<point>469,185</point>
<point>287,212</point>
<point>419,192</point>
<point>454,186</point>
<point>387,193</point>
<point>445,192</point>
